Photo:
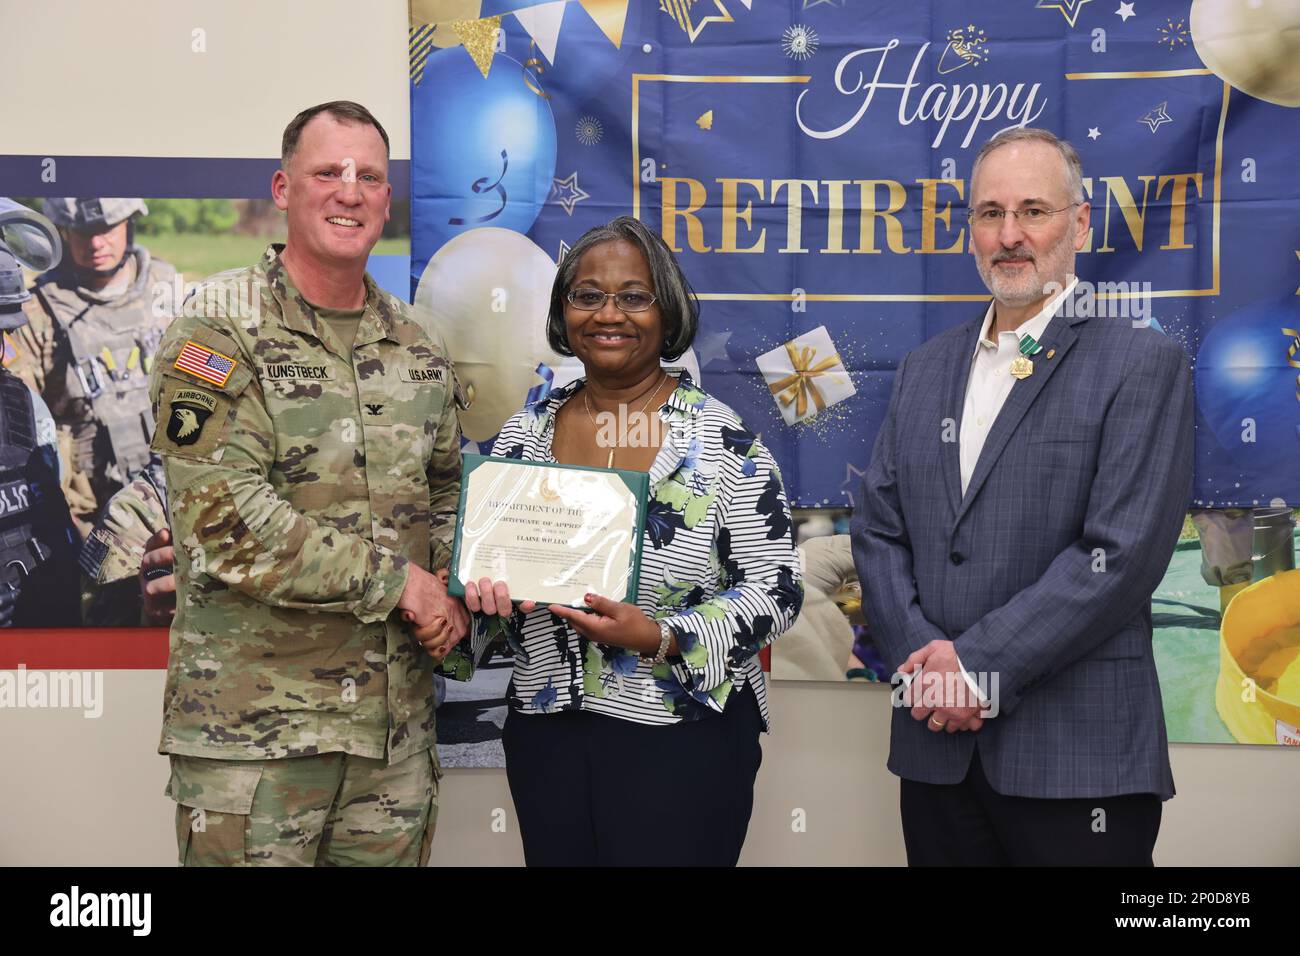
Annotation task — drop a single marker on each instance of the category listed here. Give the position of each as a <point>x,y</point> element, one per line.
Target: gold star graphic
<point>1069,8</point>
<point>681,12</point>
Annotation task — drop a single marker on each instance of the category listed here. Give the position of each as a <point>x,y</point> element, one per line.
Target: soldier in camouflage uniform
<point>111,556</point>
<point>312,459</point>
<point>92,330</point>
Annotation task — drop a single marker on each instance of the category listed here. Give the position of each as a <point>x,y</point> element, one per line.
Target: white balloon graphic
<point>1253,45</point>
<point>488,291</point>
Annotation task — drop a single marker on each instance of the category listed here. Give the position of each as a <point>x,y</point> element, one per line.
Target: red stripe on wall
<point>97,648</point>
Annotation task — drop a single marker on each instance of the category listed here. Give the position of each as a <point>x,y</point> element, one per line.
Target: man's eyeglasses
<point>1031,217</point>
<point>593,300</point>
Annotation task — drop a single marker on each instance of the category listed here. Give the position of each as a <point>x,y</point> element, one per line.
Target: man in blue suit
<point>1023,500</point>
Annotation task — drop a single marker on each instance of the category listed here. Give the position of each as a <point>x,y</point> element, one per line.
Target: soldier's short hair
<point>673,294</point>
<point>1031,134</point>
<point>343,110</point>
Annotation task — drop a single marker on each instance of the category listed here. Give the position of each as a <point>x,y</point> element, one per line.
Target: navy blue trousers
<point>591,790</point>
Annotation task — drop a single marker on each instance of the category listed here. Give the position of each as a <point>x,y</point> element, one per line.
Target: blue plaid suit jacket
<point>1043,571</point>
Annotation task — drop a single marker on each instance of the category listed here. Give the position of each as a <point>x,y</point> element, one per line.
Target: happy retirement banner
<point>809,162</point>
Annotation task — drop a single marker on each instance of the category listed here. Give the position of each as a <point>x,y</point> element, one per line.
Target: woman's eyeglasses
<point>593,300</point>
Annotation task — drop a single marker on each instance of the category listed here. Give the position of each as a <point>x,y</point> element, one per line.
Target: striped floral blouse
<point>718,564</point>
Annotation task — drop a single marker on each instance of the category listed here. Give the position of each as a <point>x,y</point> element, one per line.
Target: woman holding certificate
<point>632,735</point>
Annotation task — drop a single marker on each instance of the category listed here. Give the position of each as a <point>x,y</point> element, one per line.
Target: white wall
<point>89,792</point>
<point>88,78</point>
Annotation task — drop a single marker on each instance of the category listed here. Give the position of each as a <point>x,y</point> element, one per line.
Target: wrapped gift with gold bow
<point>805,376</point>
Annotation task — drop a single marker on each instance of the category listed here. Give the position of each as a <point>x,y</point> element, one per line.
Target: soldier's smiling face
<point>335,190</point>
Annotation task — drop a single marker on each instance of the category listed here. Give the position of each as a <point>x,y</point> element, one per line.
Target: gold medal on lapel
<point>1022,367</point>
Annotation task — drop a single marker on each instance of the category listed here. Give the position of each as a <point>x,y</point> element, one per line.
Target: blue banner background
<point>605,131</point>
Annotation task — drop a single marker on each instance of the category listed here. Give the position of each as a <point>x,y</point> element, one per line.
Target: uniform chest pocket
<point>399,417</point>
<point>410,395</point>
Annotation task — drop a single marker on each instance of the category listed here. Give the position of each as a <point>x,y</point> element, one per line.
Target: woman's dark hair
<point>673,294</point>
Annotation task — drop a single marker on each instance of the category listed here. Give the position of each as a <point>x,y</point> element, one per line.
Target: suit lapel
<point>1059,335</point>
<point>954,403</point>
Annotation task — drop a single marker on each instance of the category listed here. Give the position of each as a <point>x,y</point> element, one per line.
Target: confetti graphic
<point>588,131</point>
<point>799,42</point>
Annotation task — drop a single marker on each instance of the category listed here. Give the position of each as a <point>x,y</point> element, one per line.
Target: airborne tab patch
<point>203,363</point>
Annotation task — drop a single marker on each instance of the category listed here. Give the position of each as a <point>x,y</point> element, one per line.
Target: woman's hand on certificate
<point>492,597</point>
<point>615,623</point>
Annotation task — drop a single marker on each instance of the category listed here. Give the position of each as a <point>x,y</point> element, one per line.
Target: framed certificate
<point>553,533</point>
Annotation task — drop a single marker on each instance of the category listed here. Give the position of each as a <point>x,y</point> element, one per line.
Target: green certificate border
<point>637,482</point>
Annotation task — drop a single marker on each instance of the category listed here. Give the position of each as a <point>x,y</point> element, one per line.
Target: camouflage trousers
<point>330,809</point>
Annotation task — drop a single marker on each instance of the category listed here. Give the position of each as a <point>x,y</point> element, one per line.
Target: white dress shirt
<point>987,389</point>
<point>991,379</point>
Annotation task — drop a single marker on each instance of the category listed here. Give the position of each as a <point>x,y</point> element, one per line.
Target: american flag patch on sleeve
<point>205,364</point>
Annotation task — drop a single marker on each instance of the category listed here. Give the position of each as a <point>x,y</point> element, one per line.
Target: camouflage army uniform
<point>88,354</point>
<point>302,478</point>
<point>112,553</point>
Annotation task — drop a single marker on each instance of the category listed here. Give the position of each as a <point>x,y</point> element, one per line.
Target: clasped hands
<point>942,677</point>
<point>439,622</point>
<point>436,620</point>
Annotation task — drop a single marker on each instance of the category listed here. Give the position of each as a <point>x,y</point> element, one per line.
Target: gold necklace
<point>586,402</point>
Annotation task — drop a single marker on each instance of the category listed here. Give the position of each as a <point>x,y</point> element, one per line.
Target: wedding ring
<point>937,725</point>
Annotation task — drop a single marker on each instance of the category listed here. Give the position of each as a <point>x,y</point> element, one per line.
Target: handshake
<point>436,620</point>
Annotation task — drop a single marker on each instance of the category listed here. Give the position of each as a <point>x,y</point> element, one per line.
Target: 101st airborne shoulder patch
<point>189,410</point>
<point>195,423</point>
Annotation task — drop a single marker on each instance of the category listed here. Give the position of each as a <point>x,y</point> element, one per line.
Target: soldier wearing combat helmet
<point>89,344</point>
